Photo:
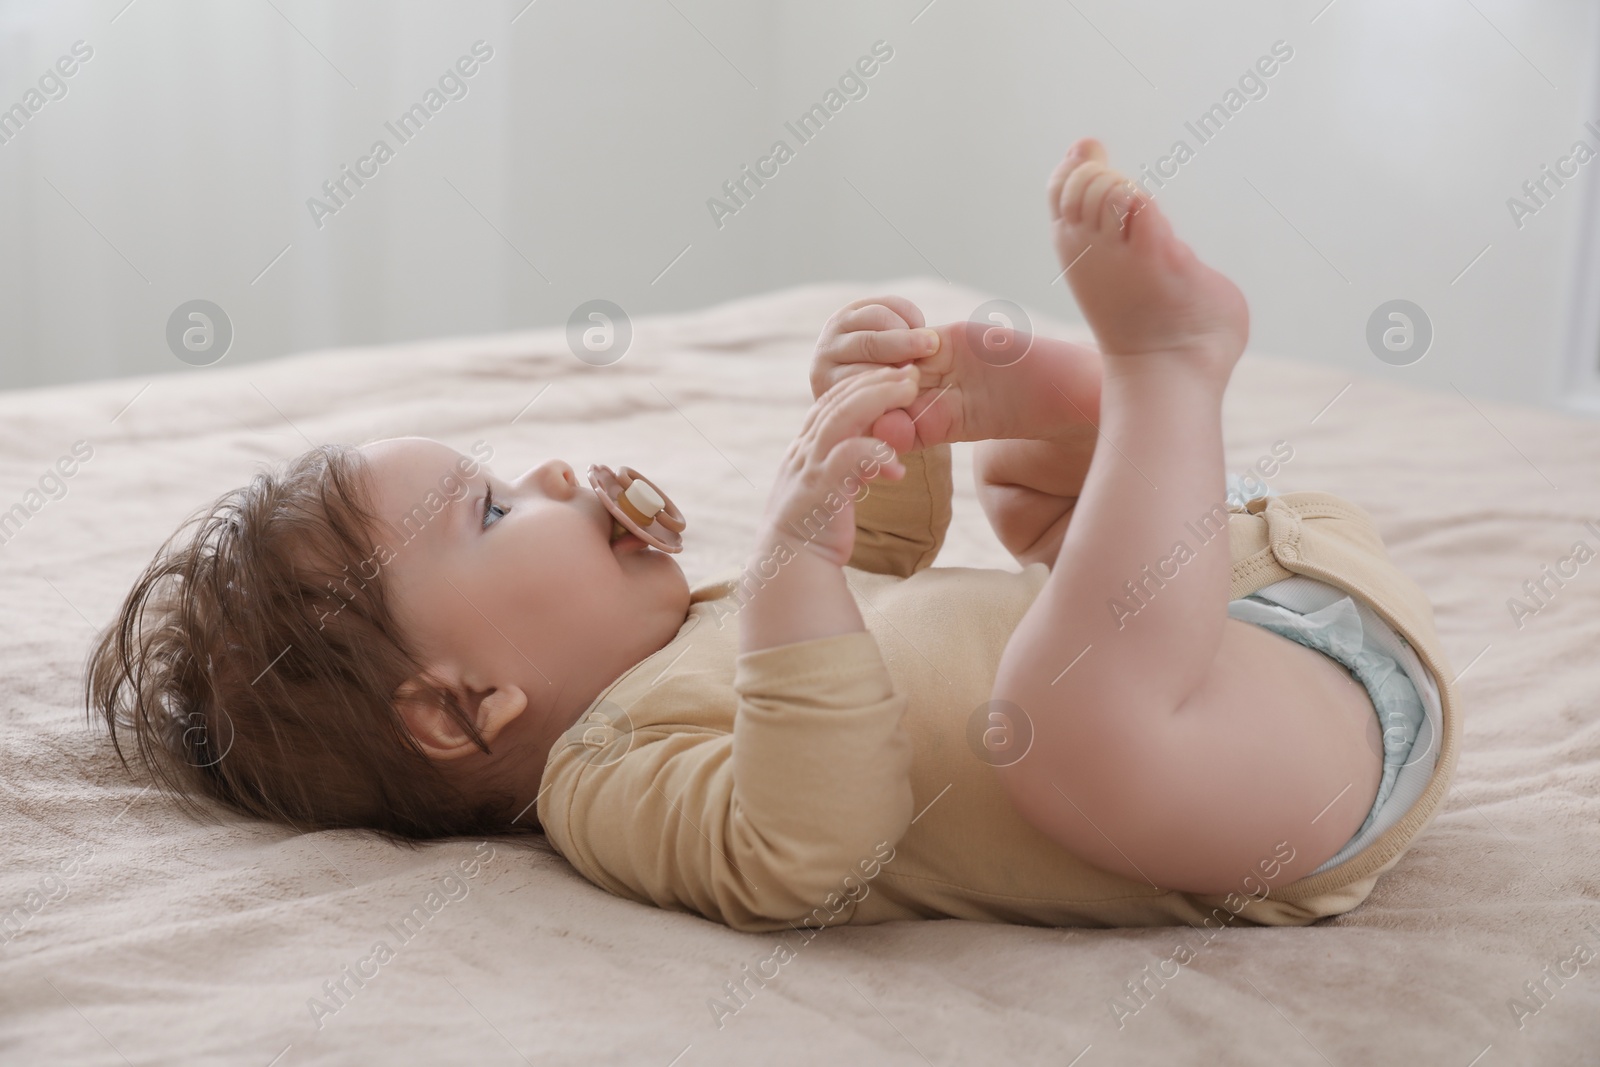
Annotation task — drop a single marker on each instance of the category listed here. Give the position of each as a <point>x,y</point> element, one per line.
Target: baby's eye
<point>490,507</point>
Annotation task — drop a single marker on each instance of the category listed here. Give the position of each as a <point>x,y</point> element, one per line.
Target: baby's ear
<point>438,733</point>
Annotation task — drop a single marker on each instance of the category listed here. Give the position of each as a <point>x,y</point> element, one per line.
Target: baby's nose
<point>553,476</point>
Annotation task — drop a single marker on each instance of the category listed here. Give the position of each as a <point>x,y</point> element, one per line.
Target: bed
<point>132,934</point>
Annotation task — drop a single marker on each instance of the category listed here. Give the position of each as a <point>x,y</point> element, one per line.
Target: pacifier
<point>638,506</point>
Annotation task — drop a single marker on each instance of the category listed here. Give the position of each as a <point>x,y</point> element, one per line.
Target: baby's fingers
<point>883,346</point>
<point>852,406</point>
<point>868,317</point>
<point>866,458</point>
<point>876,313</point>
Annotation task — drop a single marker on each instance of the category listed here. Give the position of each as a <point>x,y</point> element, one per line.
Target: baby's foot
<point>1140,288</point>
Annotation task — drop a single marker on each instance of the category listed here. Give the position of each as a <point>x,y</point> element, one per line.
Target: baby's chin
<point>655,605</point>
<point>636,558</point>
<point>651,569</point>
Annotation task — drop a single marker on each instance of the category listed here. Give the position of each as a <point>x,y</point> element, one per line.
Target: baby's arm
<point>820,762</point>
<point>762,829</point>
<point>807,534</point>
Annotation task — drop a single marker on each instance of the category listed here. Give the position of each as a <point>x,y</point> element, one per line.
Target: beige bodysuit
<point>839,779</point>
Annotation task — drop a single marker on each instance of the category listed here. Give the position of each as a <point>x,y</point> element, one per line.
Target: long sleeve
<point>900,526</point>
<point>762,827</point>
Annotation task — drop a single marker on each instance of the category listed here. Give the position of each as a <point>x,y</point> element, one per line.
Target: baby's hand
<point>826,465</point>
<point>867,333</point>
<point>872,333</point>
<point>808,532</point>
<point>978,382</point>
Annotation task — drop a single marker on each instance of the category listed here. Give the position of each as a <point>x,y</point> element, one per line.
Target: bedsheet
<point>132,934</point>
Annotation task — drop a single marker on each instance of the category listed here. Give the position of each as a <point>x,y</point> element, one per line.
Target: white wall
<point>187,146</point>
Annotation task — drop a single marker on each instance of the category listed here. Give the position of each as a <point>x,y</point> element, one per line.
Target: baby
<point>1176,711</point>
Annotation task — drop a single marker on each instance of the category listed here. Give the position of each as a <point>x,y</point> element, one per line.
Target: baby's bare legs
<point>1172,744</point>
<point>1029,487</point>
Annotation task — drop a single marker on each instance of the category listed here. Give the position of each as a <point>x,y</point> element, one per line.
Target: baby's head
<point>388,637</point>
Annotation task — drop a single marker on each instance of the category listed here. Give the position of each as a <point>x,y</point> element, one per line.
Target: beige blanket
<point>130,934</point>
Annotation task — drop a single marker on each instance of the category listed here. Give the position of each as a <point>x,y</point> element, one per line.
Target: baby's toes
<point>896,429</point>
<point>1083,150</point>
<point>1123,204</point>
<point>1087,150</point>
<point>1078,183</point>
<point>1101,200</point>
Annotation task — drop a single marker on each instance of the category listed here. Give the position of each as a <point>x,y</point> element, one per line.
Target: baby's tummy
<point>969,854</point>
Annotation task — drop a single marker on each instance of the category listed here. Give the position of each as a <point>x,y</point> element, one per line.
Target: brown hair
<point>246,675</point>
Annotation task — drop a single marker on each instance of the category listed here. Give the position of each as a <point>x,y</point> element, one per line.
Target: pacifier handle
<point>669,515</point>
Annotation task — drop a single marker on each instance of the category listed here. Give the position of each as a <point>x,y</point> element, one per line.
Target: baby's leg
<point>1171,744</point>
<point>1029,488</point>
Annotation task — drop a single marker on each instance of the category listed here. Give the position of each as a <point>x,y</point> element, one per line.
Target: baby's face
<point>517,582</point>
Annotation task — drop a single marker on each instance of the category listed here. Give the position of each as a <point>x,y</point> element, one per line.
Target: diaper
<point>1404,693</point>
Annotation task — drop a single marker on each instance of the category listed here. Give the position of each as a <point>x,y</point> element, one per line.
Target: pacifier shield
<point>639,506</point>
